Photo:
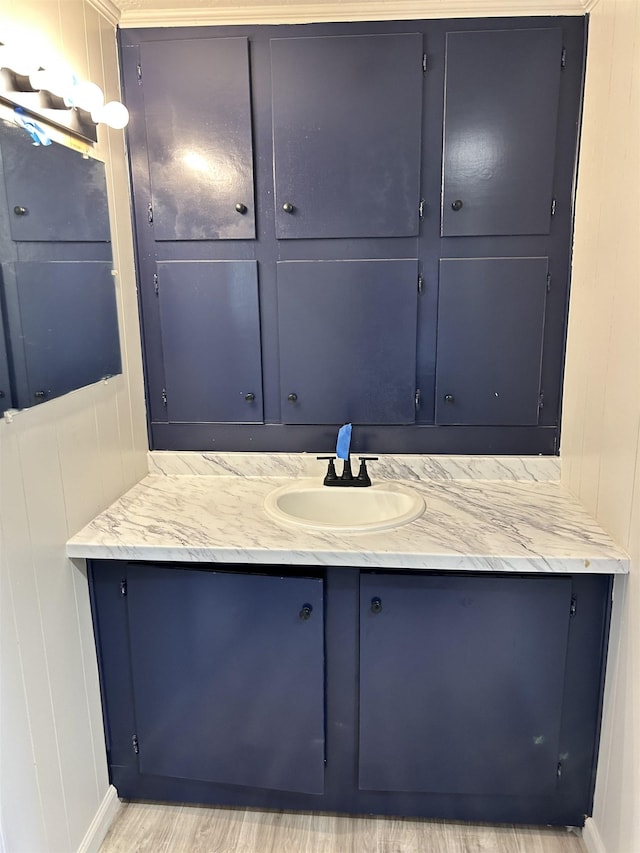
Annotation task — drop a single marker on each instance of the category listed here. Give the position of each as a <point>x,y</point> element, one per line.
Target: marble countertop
<point>509,524</point>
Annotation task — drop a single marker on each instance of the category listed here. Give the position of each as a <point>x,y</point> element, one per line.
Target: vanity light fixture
<point>47,87</point>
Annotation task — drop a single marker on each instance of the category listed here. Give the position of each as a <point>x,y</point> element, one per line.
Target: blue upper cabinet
<point>347,117</point>
<point>199,139</point>
<point>491,314</point>
<point>403,191</point>
<point>501,113</point>
<point>347,332</point>
<point>53,194</point>
<point>211,340</point>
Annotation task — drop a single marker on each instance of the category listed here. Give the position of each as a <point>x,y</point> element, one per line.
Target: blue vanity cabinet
<point>199,138</point>
<point>227,675</point>
<point>460,696</point>
<point>501,104</point>
<point>63,326</point>
<point>491,316</point>
<point>347,120</point>
<point>461,683</point>
<point>347,332</point>
<point>209,315</point>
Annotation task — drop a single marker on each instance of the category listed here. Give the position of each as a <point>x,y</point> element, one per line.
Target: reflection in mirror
<point>58,316</point>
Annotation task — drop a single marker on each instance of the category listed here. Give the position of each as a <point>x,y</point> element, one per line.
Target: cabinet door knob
<point>305,613</point>
<point>292,398</point>
<point>241,208</point>
<point>449,398</point>
<point>1,394</point>
<point>20,211</point>
<point>456,205</point>
<point>376,605</point>
<point>250,397</point>
<point>288,207</point>
<point>40,395</point>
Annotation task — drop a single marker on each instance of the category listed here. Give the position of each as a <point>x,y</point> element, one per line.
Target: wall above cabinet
<point>355,222</point>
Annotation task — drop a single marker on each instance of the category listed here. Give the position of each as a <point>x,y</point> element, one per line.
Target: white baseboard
<point>591,837</point>
<point>104,817</point>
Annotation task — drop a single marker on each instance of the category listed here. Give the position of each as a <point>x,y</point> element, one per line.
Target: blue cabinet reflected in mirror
<point>58,314</point>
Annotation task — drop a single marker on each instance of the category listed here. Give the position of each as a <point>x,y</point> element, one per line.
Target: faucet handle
<point>363,475</point>
<point>331,475</point>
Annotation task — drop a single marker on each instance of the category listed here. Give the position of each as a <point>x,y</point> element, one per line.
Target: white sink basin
<point>307,503</point>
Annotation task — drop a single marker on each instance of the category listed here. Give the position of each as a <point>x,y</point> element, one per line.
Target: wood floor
<point>143,827</point>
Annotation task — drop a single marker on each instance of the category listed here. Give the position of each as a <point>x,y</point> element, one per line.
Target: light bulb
<point>57,78</point>
<point>114,114</point>
<point>38,79</point>
<point>87,96</point>
<point>19,58</point>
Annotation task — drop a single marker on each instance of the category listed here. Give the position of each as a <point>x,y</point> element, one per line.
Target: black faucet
<point>347,478</point>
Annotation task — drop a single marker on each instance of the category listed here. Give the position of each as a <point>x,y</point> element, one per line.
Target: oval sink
<point>306,503</point>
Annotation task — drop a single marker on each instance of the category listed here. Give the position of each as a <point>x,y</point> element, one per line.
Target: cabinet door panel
<point>199,141</point>
<point>347,341</point>
<point>63,326</point>
<point>501,113</point>
<point>461,683</point>
<point>347,113</point>
<point>64,196</point>
<point>211,340</point>
<point>228,678</point>
<point>490,334</point>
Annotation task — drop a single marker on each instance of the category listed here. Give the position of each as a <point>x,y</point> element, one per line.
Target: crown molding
<point>108,10</point>
<point>350,10</point>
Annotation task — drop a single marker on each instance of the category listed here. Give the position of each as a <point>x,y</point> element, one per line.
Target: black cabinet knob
<point>305,613</point>
<point>449,398</point>
<point>376,605</point>
<point>40,395</point>
<point>249,397</point>
<point>288,207</point>
<point>1,394</point>
<point>292,398</point>
<point>241,208</point>
<point>20,211</point>
<point>456,205</point>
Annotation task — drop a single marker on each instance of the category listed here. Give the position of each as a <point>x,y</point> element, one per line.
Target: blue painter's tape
<point>344,442</point>
<point>37,133</point>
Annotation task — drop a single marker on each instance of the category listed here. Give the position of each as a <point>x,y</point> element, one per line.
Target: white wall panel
<point>19,783</point>
<point>61,463</point>
<point>20,574</point>
<point>601,419</point>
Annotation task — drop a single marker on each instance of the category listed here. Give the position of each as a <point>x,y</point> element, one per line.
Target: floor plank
<point>157,828</point>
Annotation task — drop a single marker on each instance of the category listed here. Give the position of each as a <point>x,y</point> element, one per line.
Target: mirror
<point>58,313</point>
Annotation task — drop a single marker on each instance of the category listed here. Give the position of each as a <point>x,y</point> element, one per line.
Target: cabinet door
<point>63,326</point>
<point>461,683</point>
<point>53,193</point>
<point>347,115</point>
<point>490,334</point>
<point>501,112</point>
<point>197,112</point>
<point>228,677</point>
<point>347,332</point>
<point>211,340</point>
